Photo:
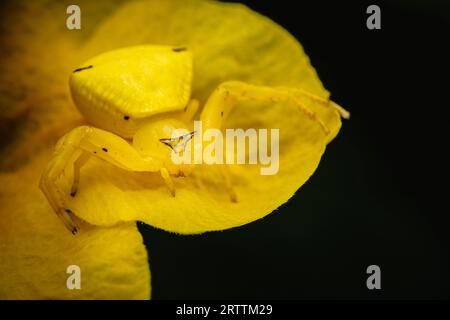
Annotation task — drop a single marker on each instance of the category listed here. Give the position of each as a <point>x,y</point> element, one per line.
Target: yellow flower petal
<point>229,42</point>
<point>35,248</point>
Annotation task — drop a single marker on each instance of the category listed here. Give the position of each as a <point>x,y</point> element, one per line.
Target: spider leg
<point>324,102</point>
<point>77,165</point>
<point>168,180</point>
<point>190,110</point>
<point>75,149</point>
<point>54,194</point>
<point>227,94</point>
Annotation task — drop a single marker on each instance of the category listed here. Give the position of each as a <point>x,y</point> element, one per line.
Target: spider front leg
<point>80,162</point>
<point>226,96</point>
<point>190,110</point>
<point>168,180</point>
<point>75,149</point>
<point>53,193</point>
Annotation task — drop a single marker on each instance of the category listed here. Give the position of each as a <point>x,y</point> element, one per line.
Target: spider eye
<point>178,144</point>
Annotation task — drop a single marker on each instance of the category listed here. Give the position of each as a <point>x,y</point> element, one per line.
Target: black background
<point>380,193</point>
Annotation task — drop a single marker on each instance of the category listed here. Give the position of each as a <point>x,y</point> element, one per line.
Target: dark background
<point>380,193</point>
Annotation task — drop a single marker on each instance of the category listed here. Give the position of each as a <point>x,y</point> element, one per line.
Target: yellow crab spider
<point>135,98</point>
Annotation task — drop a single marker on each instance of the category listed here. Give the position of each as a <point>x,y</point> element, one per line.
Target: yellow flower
<point>229,42</point>
<point>35,248</point>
